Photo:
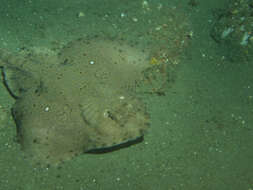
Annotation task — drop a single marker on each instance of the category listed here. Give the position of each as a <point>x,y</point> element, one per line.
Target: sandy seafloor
<point>201,131</point>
